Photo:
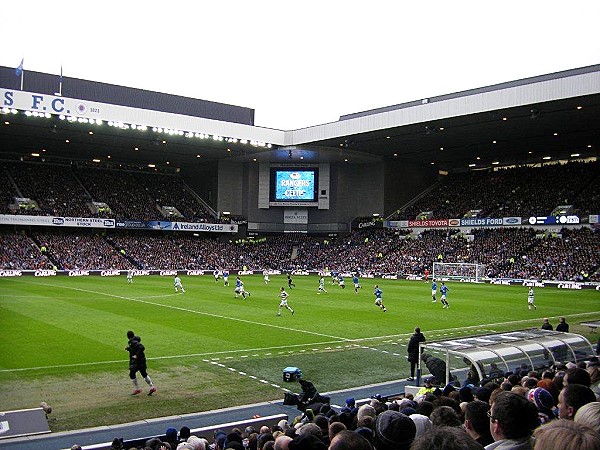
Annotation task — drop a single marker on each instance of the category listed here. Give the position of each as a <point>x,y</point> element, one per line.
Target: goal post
<point>459,271</point>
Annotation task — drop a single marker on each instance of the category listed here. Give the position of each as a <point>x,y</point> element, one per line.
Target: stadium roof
<point>552,116</point>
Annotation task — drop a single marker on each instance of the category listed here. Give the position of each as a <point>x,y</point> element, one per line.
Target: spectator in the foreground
<point>349,440</point>
<point>394,431</point>
<point>171,437</point>
<point>446,438</point>
<point>543,401</point>
<point>577,375</point>
<point>282,442</point>
<point>565,435</point>
<point>335,428</point>
<point>422,423</point>
<point>512,420</point>
<point>445,416</point>
<point>589,415</point>
<point>477,423</point>
<point>571,398</point>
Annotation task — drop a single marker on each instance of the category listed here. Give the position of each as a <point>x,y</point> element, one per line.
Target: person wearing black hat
<point>413,351</point>
<point>394,431</point>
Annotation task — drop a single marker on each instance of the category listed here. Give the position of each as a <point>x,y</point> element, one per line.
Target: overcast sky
<point>300,63</point>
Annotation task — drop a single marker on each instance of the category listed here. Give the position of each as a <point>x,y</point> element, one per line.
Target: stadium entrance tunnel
<point>479,359</point>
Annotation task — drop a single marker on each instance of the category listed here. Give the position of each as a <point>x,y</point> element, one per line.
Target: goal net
<point>459,271</point>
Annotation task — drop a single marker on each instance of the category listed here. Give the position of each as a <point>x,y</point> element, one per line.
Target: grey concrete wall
<point>404,181</point>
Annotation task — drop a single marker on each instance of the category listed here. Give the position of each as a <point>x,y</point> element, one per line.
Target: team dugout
<point>474,360</point>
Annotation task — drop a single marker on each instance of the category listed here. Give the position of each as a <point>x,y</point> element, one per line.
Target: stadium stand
<point>570,255</point>
<point>508,192</point>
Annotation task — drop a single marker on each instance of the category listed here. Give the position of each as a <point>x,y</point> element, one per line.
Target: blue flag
<point>19,70</point>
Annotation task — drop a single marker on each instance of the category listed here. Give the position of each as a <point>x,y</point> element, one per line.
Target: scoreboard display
<point>296,185</point>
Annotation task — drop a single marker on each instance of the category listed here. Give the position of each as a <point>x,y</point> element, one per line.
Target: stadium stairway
<point>91,437</point>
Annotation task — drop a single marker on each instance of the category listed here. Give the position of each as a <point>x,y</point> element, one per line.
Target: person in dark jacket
<point>562,325</point>
<point>413,351</point>
<point>137,363</point>
<point>437,368</point>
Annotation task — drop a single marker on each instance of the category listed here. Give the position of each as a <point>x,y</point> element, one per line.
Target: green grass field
<point>62,339</point>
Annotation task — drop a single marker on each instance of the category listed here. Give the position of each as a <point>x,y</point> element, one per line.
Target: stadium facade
<point>366,163</point>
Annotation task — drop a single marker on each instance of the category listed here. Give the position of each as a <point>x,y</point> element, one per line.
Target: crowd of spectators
<point>553,409</point>
<point>19,252</point>
<point>68,191</point>
<point>82,251</point>
<point>515,192</point>
<point>138,195</point>
<point>522,253</point>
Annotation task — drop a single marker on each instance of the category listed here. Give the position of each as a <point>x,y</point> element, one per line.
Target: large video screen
<point>293,184</point>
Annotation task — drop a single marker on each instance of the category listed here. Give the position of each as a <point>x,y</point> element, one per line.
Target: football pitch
<point>63,339</point>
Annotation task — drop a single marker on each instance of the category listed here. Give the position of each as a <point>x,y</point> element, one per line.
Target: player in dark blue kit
<point>334,276</point>
<point>379,298</point>
<point>444,290</point>
<point>225,277</point>
<point>433,291</point>
<point>356,282</point>
<point>239,289</point>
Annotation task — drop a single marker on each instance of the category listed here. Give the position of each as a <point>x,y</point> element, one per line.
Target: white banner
<point>295,215</point>
<point>78,222</point>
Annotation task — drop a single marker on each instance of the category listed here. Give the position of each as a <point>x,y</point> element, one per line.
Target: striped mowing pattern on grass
<point>61,337</point>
